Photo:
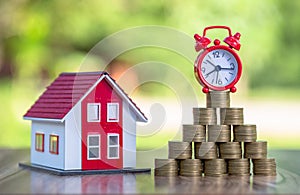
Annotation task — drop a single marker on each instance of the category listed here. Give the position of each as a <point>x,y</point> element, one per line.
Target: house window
<point>112,112</point>
<point>39,142</point>
<point>93,112</point>
<point>113,146</point>
<point>93,147</point>
<point>53,144</point>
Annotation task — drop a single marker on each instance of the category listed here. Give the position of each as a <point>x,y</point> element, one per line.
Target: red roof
<point>64,92</point>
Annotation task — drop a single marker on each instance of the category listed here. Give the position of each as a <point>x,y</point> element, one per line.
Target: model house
<point>84,121</point>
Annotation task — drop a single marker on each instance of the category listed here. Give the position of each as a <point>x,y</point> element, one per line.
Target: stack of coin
<point>239,167</point>
<point>190,167</point>
<point>218,99</point>
<point>194,133</point>
<point>265,167</point>
<point>205,116</point>
<point>230,150</point>
<point>205,150</point>
<point>165,167</point>
<point>215,167</point>
<point>245,133</point>
<point>232,116</point>
<point>256,150</point>
<point>219,133</point>
<point>180,150</point>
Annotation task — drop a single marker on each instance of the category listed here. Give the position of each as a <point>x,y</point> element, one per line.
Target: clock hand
<point>210,63</point>
<point>227,69</point>
<point>217,77</point>
<point>209,73</point>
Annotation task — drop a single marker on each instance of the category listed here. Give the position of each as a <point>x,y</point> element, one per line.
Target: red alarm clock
<point>218,67</point>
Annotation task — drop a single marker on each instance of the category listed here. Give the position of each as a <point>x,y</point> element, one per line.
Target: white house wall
<point>73,139</point>
<point>129,136</point>
<point>46,158</point>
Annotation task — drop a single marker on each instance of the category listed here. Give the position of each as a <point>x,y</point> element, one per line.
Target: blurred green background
<point>39,39</point>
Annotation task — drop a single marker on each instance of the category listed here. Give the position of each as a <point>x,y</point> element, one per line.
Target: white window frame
<point>88,146</point>
<point>88,115</point>
<point>118,112</point>
<point>113,146</point>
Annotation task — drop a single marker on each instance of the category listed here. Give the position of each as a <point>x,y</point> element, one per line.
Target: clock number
<point>232,66</point>
<point>216,54</point>
<point>203,69</point>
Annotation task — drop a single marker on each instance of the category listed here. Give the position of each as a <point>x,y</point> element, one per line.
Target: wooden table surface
<point>17,180</point>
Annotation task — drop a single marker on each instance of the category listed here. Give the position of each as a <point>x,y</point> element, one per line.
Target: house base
<point>81,172</point>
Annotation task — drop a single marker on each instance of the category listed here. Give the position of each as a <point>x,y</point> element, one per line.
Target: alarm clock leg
<point>233,89</point>
<point>205,89</point>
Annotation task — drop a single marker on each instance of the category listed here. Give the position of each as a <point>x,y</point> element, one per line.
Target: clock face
<point>218,68</point>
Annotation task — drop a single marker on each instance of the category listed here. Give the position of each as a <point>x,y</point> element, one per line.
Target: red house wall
<point>103,94</point>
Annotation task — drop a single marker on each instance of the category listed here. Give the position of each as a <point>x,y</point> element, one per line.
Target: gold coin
<point>193,133</point>
<point>219,133</point>
<point>180,150</point>
<point>232,116</point>
<point>166,167</point>
<point>265,167</point>
<point>239,167</point>
<point>245,133</point>
<point>190,168</point>
<point>204,116</point>
<point>256,150</point>
<point>205,150</point>
<point>215,167</point>
<point>218,99</point>
<point>230,150</point>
